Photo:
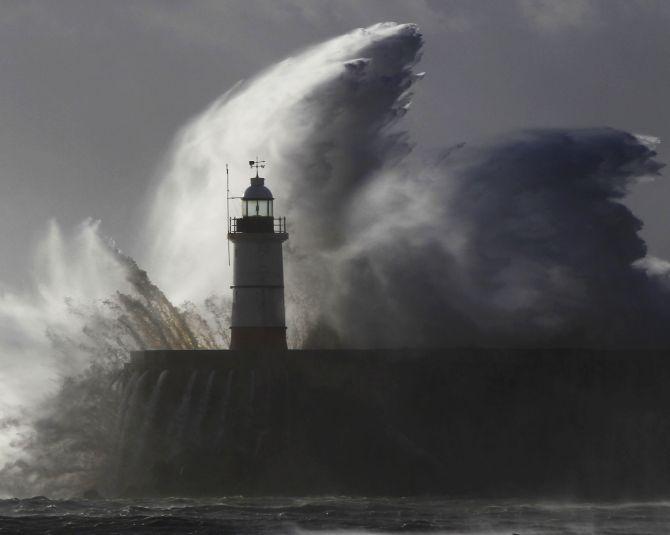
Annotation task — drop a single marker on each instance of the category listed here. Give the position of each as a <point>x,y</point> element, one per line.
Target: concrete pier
<point>499,422</point>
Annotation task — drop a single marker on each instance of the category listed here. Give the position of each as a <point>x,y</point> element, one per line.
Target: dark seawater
<point>329,514</point>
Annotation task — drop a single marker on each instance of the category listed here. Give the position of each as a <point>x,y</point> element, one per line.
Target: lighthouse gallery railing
<point>238,225</point>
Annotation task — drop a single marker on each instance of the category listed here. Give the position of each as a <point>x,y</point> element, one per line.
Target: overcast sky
<point>93,91</point>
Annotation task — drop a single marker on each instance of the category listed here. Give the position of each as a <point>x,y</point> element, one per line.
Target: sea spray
<point>71,441</point>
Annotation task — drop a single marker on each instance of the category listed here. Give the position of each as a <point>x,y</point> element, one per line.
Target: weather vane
<point>257,164</point>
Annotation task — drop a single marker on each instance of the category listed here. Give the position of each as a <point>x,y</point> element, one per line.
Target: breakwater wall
<point>573,423</point>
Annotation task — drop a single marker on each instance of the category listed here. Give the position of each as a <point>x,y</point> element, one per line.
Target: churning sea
<point>329,514</point>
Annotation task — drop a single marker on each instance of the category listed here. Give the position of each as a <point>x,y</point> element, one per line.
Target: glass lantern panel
<point>256,208</point>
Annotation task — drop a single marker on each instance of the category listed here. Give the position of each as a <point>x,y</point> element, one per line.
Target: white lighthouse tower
<point>258,271</point>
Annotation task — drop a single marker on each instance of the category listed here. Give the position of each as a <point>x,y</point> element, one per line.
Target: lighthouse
<point>258,319</point>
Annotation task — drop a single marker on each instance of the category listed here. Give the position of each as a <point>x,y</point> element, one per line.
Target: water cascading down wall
<point>561,422</point>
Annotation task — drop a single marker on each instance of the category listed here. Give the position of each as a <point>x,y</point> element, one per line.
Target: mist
<point>521,240</point>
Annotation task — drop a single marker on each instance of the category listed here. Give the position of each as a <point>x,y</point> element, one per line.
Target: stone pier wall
<point>558,423</point>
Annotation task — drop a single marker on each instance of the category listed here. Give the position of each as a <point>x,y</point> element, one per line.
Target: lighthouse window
<point>256,208</point>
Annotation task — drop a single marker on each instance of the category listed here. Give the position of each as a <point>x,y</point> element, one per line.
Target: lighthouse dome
<point>257,190</point>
